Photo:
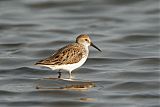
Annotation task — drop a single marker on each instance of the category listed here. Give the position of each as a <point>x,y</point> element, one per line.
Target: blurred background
<point>125,74</point>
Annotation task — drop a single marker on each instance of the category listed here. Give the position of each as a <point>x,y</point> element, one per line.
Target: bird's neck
<point>87,49</point>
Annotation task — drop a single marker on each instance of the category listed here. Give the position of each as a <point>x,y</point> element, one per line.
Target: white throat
<point>86,48</point>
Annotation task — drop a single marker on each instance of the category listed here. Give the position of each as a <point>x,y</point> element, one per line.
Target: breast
<point>71,67</point>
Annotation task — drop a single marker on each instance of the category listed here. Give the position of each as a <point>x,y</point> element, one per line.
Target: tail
<point>38,63</point>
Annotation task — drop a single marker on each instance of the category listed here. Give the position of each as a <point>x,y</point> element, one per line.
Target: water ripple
<point>124,74</point>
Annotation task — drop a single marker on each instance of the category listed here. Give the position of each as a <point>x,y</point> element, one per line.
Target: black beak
<point>95,47</point>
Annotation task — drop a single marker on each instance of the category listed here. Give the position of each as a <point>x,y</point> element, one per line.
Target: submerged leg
<point>59,76</point>
<point>70,76</point>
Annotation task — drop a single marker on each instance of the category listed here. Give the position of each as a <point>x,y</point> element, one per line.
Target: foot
<point>59,76</point>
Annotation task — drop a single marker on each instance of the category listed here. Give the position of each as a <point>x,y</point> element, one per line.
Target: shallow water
<point>125,74</point>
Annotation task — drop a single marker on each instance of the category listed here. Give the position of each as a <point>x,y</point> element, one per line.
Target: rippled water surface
<point>125,74</point>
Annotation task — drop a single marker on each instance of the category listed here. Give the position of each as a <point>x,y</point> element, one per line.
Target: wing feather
<point>67,55</point>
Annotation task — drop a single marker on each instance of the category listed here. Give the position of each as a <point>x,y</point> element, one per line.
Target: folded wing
<point>67,55</point>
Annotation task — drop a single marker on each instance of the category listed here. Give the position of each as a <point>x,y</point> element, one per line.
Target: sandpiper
<point>69,57</point>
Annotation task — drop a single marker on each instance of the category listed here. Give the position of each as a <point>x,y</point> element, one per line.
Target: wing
<point>67,55</point>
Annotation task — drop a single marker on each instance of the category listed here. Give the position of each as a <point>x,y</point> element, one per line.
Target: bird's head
<point>84,39</point>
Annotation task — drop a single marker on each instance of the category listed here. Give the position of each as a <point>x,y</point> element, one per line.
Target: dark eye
<point>86,40</point>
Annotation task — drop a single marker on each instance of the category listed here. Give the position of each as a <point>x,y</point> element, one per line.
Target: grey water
<point>125,74</point>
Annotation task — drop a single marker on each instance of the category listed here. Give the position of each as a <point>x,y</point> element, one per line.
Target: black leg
<point>59,76</point>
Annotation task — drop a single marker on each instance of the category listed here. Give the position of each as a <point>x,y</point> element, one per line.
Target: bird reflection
<point>73,85</point>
